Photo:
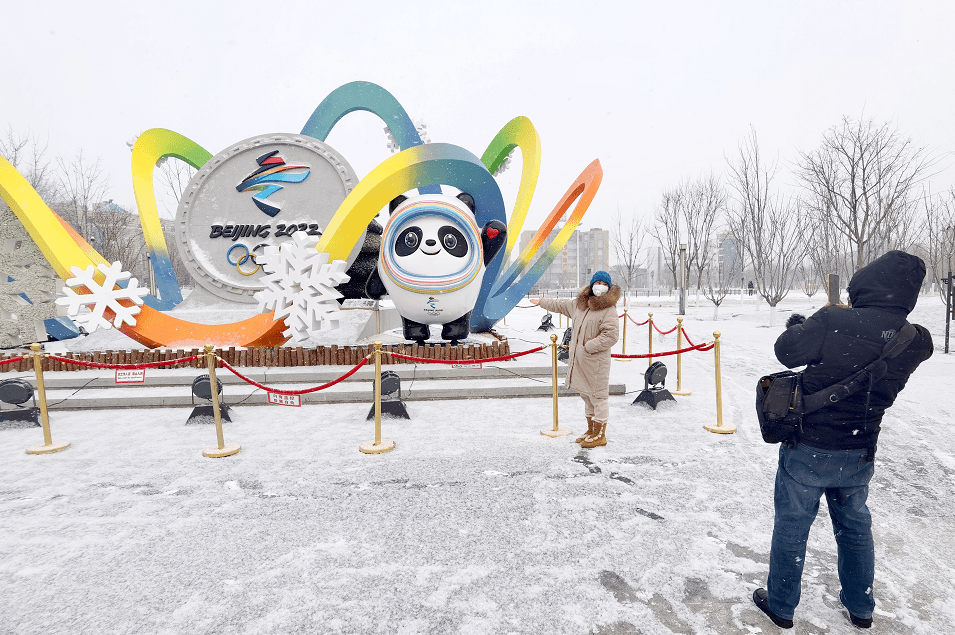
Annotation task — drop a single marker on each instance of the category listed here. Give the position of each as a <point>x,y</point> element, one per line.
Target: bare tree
<point>705,202</point>
<point>116,235</point>
<point>769,228</point>
<point>940,243</point>
<point>829,250</point>
<point>666,230</point>
<point>83,185</point>
<point>28,155</point>
<point>173,178</point>
<point>626,242</point>
<point>720,274</point>
<point>810,276</point>
<point>861,180</point>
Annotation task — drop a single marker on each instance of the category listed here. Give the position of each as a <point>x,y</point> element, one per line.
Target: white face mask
<point>599,289</point>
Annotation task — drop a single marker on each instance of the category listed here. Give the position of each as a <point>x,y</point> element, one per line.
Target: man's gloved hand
<point>795,319</point>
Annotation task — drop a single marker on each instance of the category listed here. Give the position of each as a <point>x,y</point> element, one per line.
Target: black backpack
<point>781,402</point>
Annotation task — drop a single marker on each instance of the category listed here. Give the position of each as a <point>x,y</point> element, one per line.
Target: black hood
<point>892,281</point>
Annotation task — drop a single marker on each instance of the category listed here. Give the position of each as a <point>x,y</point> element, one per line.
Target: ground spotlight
<point>202,388</point>
<point>391,403</point>
<point>654,392</point>
<point>547,323</point>
<point>17,392</point>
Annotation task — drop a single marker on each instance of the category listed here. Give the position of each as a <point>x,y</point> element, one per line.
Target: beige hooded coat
<point>596,330</point>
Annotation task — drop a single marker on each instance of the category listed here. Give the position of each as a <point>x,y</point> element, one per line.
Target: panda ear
<point>398,200</point>
<point>468,200</point>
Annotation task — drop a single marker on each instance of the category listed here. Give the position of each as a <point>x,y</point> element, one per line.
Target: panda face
<point>431,245</point>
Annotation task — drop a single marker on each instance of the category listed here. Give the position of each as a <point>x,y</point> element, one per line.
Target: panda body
<point>432,259</point>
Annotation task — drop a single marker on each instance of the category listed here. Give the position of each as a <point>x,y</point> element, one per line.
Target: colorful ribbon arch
<point>507,290</point>
<point>518,133</point>
<point>150,147</point>
<point>371,98</point>
<point>64,248</point>
<point>416,167</point>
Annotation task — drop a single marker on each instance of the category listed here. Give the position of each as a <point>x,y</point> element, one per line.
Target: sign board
<point>285,400</point>
<point>467,365</point>
<point>132,376</point>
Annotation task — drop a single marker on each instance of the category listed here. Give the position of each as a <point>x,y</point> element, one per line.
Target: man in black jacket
<point>833,453</point>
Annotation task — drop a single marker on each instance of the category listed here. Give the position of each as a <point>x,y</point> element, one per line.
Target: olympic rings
<point>249,255</point>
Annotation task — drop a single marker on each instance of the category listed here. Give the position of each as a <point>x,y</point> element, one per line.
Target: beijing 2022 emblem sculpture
<point>253,195</point>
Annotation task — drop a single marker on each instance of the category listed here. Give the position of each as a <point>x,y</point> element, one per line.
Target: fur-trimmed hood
<point>597,303</point>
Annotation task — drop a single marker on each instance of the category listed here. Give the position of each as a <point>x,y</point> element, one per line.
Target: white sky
<point>657,91</point>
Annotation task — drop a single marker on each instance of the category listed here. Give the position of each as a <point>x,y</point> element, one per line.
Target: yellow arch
<point>64,249</point>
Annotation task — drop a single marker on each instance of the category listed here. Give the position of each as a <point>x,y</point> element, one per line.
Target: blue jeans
<point>803,475</point>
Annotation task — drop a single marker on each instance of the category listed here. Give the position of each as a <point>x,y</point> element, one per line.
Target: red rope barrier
<point>687,338</point>
<point>700,347</point>
<point>464,361</point>
<point>79,362</point>
<point>667,332</point>
<point>12,360</point>
<point>638,323</point>
<point>304,391</point>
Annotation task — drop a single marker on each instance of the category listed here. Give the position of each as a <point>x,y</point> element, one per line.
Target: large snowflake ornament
<point>300,286</point>
<point>102,296</point>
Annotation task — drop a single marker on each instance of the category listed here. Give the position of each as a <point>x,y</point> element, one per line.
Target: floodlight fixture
<point>654,391</point>
<point>17,392</point>
<point>203,413</point>
<point>391,403</point>
<point>547,323</point>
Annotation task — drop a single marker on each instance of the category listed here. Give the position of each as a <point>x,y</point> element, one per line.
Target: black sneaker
<point>761,600</point>
<point>858,622</point>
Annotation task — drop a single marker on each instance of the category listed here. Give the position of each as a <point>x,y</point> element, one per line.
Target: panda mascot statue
<point>432,262</point>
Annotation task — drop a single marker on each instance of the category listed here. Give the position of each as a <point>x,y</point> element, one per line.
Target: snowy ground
<point>475,523</point>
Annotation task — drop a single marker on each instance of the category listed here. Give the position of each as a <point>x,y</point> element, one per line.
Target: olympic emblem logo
<point>249,255</point>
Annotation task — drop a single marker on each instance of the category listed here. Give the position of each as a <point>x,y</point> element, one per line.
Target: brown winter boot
<point>598,438</point>
<point>590,431</point>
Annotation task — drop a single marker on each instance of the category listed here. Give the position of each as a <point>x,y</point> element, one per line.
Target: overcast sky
<point>657,91</point>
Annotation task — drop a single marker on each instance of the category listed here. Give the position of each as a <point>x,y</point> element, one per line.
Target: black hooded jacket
<point>835,342</point>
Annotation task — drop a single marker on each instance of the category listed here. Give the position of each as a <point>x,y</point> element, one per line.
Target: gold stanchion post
<point>378,446</point>
<point>556,431</point>
<point>719,428</point>
<point>650,326</point>
<point>624,349</point>
<point>48,445</point>
<point>679,362</point>
<point>221,449</point>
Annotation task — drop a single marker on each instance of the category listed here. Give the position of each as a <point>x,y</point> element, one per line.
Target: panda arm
<point>374,287</point>
<point>493,237</point>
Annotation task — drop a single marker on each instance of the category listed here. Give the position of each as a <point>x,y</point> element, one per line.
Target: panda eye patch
<point>408,241</point>
<point>453,241</point>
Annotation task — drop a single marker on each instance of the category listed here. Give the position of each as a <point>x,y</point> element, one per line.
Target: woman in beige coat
<point>596,330</point>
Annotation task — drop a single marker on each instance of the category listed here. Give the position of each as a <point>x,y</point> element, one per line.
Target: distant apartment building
<point>585,253</point>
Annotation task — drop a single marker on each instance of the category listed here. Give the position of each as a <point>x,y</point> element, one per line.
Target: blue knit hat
<point>601,276</point>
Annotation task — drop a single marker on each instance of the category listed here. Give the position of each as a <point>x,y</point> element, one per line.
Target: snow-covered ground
<point>475,523</point>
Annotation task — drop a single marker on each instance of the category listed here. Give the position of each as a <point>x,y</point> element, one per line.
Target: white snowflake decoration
<point>101,297</point>
<point>300,286</point>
